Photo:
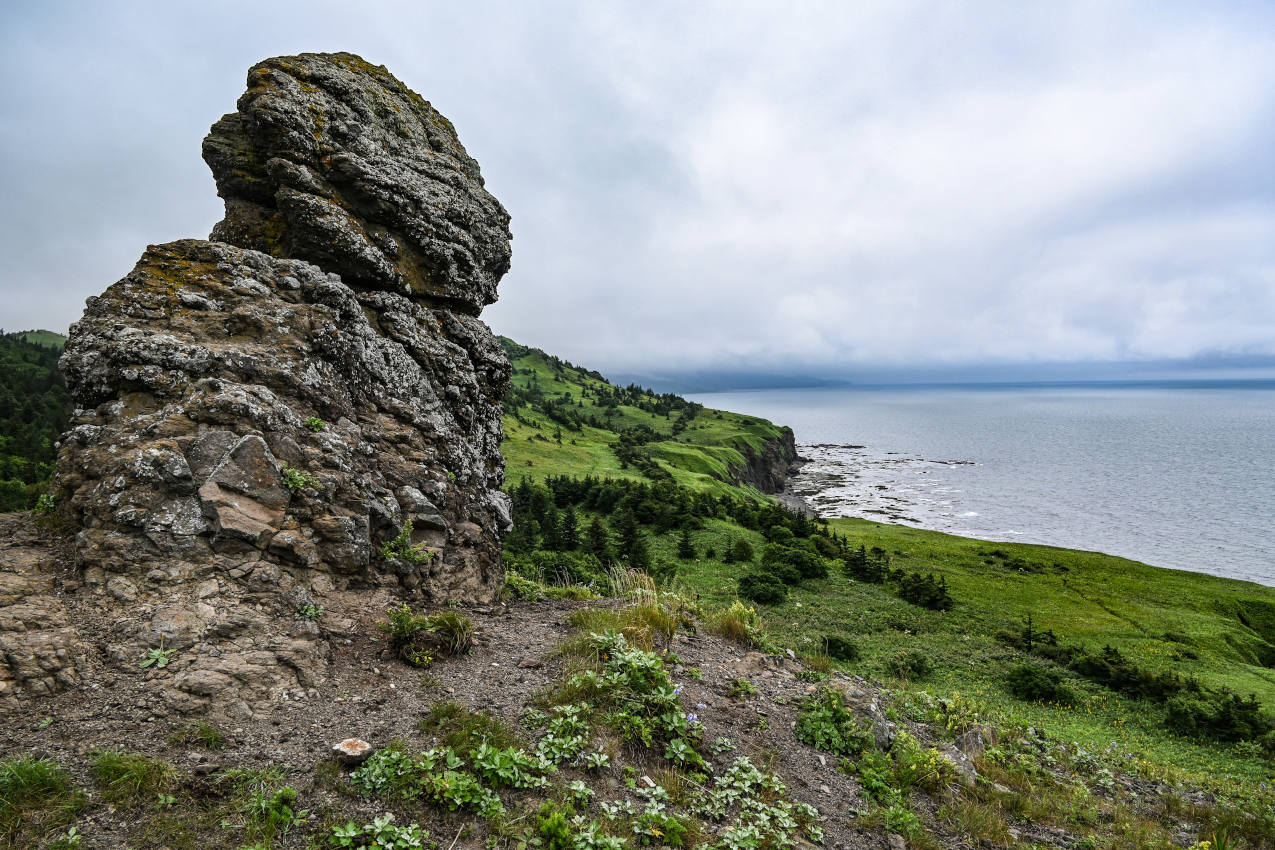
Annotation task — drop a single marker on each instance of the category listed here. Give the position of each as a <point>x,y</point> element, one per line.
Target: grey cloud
<point>725,186</point>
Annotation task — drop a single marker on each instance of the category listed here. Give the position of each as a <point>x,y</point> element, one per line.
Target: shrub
<point>523,588</point>
<point>910,664</point>
<point>762,588</point>
<point>792,565</point>
<point>739,552</point>
<point>780,534</point>
<point>1219,716</point>
<point>870,566</point>
<point>839,648</point>
<point>738,623</point>
<point>1038,684</point>
<point>925,591</point>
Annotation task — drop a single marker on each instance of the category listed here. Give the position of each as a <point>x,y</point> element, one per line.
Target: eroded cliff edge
<point>303,411</point>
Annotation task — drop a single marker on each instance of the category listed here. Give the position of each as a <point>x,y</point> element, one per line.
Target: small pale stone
<point>352,751</point>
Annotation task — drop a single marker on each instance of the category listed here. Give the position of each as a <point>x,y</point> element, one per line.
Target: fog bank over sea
<point>1175,474</point>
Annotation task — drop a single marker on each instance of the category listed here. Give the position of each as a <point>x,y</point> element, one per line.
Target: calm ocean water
<point>1175,475</point>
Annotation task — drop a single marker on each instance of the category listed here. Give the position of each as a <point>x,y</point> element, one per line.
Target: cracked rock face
<point>332,160</point>
<point>259,417</point>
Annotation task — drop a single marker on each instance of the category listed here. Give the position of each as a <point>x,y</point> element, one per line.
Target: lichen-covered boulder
<point>302,414</point>
<point>332,160</point>
<point>242,408</point>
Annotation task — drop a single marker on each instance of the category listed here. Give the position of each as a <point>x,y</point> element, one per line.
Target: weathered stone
<point>358,248</point>
<point>333,160</point>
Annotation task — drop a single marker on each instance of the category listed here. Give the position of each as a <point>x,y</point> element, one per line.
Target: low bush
<point>839,648</point>
<point>737,623</point>
<point>1037,684</point>
<point>762,588</point>
<point>925,591</point>
<point>739,552</point>
<point>910,664</point>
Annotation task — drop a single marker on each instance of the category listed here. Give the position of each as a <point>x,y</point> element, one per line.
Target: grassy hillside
<point>1191,648</point>
<point>565,420</point>
<point>47,338</point>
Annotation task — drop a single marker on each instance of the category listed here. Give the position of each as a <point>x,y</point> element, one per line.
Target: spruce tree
<point>597,542</point>
<point>686,549</point>
<point>570,534</point>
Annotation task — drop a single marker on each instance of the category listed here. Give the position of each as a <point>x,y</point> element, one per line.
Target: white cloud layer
<point>755,186</point>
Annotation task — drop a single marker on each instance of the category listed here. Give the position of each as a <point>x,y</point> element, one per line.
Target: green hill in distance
<point>561,419</point>
<point>47,338</point>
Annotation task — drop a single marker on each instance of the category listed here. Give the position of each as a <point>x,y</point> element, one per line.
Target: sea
<point>1173,474</point>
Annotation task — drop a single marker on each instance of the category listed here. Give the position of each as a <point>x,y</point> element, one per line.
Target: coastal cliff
<point>769,469</point>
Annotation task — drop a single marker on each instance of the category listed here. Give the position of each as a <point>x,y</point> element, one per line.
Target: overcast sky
<point>788,186</point>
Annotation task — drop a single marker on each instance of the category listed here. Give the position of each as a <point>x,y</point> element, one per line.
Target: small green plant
<point>296,479</point>
<point>380,834</point>
<point>70,840</point>
<point>899,818</point>
<point>158,656</point>
<point>596,760</point>
<point>314,423</point>
<point>270,813</point>
<point>824,722</point>
<point>309,612</point>
<point>554,825</point>
<point>46,504</point>
<point>201,734</point>
<point>740,689</point>
<point>401,548</point>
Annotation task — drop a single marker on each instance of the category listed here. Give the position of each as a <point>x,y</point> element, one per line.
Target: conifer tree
<point>685,548</point>
<point>569,537</point>
<point>597,542</point>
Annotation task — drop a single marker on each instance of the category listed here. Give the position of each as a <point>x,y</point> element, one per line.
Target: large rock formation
<point>271,419</point>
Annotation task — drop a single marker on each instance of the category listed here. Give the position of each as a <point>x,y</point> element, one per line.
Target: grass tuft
<point>131,777</point>
<point>36,796</point>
